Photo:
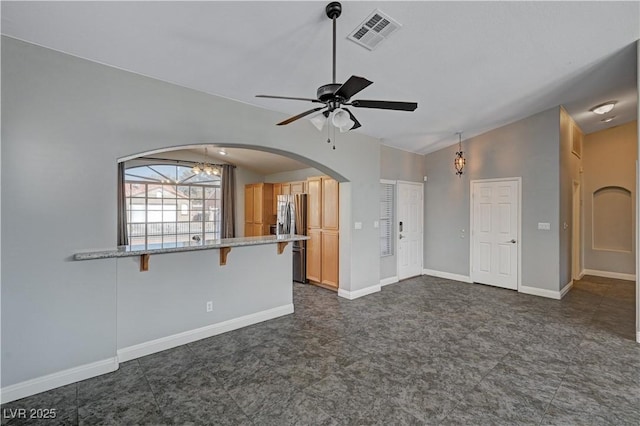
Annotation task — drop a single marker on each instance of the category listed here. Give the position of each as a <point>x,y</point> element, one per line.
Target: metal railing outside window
<point>163,211</point>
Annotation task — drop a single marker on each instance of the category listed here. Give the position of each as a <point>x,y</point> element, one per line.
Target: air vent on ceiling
<point>376,28</point>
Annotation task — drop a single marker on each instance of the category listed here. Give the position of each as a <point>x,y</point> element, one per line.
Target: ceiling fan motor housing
<point>327,92</point>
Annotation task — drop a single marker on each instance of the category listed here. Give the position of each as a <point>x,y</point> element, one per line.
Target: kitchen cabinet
<point>314,253</point>
<point>323,228</point>
<point>314,202</point>
<point>297,187</point>
<point>258,209</point>
<point>329,258</point>
<point>330,217</point>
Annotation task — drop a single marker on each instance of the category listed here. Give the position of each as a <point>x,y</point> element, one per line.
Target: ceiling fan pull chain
<point>334,137</point>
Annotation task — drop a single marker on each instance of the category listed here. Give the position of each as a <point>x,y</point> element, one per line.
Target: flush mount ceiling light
<point>459,161</point>
<point>222,152</point>
<point>603,108</point>
<point>608,119</point>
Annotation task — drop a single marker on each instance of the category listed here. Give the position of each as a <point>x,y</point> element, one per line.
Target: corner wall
<point>526,148</point>
<point>570,171</point>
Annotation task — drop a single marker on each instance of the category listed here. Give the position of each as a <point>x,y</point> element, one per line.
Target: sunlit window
<point>169,204</point>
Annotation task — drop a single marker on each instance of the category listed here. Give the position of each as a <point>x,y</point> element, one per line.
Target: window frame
<point>207,214</point>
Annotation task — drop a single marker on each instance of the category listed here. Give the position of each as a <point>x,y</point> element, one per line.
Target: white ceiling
<point>471,66</point>
<point>264,163</point>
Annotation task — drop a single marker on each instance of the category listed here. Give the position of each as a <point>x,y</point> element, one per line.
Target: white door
<point>494,231</point>
<point>409,227</point>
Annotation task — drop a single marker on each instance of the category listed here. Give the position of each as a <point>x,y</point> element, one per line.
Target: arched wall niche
<point>612,219</point>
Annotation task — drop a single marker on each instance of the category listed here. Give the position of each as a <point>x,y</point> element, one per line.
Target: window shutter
<point>386,219</point>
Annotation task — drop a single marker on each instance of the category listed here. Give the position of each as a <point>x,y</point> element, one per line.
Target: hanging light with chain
<point>459,161</point>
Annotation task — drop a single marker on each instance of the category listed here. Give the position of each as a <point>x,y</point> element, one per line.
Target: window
<point>386,219</point>
<point>169,204</point>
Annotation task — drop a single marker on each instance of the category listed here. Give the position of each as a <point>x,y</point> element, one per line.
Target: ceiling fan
<point>335,96</point>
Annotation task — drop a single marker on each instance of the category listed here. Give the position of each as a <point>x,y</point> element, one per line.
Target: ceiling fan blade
<point>399,106</point>
<point>353,118</point>
<point>290,98</point>
<point>352,86</point>
<point>296,117</point>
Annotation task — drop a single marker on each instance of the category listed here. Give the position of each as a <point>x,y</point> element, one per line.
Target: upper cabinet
<point>323,203</point>
<point>298,187</point>
<point>258,209</point>
<point>330,196</point>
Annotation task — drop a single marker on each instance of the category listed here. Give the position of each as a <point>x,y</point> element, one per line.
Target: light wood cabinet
<point>314,253</point>
<point>323,228</point>
<point>330,219</point>
<point>329,261</point>
<point>258,209</point>
<point>314,202</point>
<point>298,187</point>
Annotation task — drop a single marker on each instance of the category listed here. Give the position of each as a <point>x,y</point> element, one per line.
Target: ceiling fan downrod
<point>334,10</point>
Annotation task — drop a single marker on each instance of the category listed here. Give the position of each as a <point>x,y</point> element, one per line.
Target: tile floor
<point>423,351</point>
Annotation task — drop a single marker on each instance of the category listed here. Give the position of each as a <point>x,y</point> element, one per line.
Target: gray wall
<point>71,120</point>
<point>171,297</point>
<point>527,148</point>
<point>609,160</point>
<point>396,164</point>
<point>570,166</point>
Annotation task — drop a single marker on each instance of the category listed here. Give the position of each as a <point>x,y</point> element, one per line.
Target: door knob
<point>401,236</point>
<point>512,241</point>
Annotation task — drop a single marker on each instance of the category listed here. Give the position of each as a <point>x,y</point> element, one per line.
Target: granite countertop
<point>137,250</point>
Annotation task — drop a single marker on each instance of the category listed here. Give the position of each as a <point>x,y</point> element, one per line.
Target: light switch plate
<point>376,224</point>
<point>543,226</point>
<point>358,225</point>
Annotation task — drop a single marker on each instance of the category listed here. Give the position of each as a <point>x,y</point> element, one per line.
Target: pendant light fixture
<point>204,167</point>
<point>459,161</point>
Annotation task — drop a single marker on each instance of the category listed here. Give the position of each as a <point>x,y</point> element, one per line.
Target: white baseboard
<point>447,275</point>
<point>387,281</point>
<point>164,343</point>
<point>607,274</point>
<point>358,293</point>
<point>638,336</point>
<point>55,380</point>
<point>566,289</point>
<point>550,294</point>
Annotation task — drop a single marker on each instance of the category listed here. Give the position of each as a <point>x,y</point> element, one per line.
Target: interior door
<point>494,233</point>
<point>409,227</point>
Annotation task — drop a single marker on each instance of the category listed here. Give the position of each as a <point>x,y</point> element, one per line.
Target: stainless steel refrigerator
<point>292,219</point>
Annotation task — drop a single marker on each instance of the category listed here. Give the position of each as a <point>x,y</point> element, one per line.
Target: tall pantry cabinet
<point>258,209</point>
<point>323,228</point>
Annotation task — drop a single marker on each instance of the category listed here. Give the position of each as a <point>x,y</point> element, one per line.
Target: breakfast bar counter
<point>195,290</point>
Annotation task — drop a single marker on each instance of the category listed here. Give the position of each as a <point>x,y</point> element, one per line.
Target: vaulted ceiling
<point>471,66</point>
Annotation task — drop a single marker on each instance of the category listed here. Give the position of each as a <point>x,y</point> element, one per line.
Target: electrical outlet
<point>376,224</point>
<point>209,306</point>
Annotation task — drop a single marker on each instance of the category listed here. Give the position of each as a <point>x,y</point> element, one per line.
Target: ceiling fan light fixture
<point>341,119</point>
<point>603,108</point>
<point>318,120</point>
